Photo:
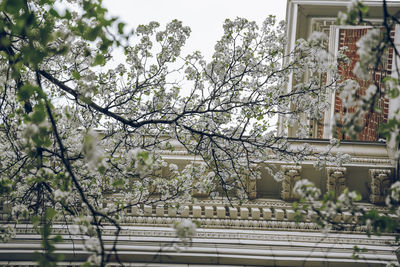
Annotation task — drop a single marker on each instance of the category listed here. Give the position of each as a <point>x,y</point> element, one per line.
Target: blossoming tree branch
<point>75,131</point>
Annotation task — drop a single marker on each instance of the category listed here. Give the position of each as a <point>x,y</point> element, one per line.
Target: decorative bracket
<point>250,182</point>
<point>380,185</point>
<point>336,181</point>
<point>292,175</point>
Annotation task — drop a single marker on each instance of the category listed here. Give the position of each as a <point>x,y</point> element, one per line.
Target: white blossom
<point>306,189</point>
<point>74,229</point>
<point>317,37</point>
<point>92,244</point>
<point>366,45</point>
<point>91,149</point>
<point>7,232</point>
<point>94,259</point>
<point>59,195</point>
<point>342,17</point>
<point>185,230</point>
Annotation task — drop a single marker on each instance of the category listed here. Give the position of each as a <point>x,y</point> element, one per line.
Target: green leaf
<point>50,213</point>
<point>144,155</point>
<point>5,41</point>
<point>57,239</point>
<point>39,114</point>
<point>54,13</point>
<point>92,34</point>
<point>102,169</point>
<point>394,93</point>
<point>35,220</point>
<point>76,75</point>
<point>12,6</point>
<point>121,28</point>
<point>99,60</point>
<point>67,15</point>
<point>118,183</point>
<point>46,34</point>
<point>32,56</point>
<point>5,186</point>
<point>26,91</point>
<point>358,196</point>
<point>363,8</point>
<point>86,52</point>
<point>105,44</point>
<point>50,2</point>
<point>197,223</point>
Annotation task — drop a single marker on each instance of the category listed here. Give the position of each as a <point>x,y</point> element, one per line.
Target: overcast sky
<point>205,17</point>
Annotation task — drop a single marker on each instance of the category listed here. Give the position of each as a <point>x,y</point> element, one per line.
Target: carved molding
<point>380,185</point>
<point>251,187</point>
<point>292,175</point>
<point>262,215</point>
<point>322,24</point>
<point>246,243</point>
<point>336,180</point>
<point>251,183</point>
<point>216,233</point>
<point>360,160</point>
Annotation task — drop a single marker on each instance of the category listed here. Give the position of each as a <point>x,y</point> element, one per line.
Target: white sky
<point>205,17</point>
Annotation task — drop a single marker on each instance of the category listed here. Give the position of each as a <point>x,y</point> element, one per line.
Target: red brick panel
<point>320,126</point>
<point>371,119</point>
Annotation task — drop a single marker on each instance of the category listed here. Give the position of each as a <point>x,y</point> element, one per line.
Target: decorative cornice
<point>256,247</point>
<point>259,213</point>
<point>251,233</point>
<point>274,159</point>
